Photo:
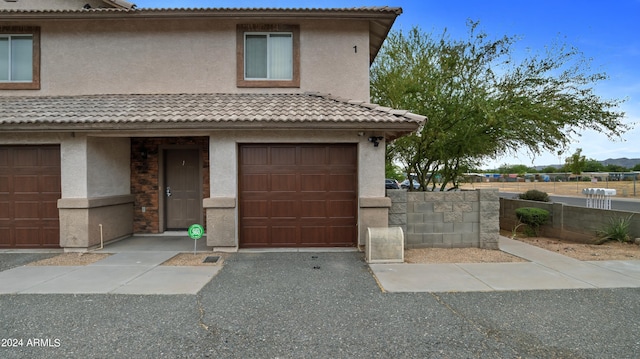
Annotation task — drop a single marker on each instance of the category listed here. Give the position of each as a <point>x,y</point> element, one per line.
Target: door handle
<point>168,191</point>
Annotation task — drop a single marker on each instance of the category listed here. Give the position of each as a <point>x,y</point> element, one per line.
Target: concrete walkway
<point>545,270</point>
<point>133,268</point>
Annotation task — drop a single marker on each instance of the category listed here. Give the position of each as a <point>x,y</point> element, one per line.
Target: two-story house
<point>255,122</point>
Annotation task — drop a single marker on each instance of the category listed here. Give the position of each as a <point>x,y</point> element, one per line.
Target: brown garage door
<point>29,191</point>
<point>298,195</point>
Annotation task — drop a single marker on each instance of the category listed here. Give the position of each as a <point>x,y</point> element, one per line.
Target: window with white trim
<point>268,55</point>
<point>19,58</point>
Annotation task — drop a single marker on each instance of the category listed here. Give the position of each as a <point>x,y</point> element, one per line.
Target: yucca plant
<point>616,230</point>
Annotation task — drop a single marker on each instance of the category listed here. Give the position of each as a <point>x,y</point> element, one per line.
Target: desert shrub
<point>616,230</point>
<point>534,195</point>
<point>533,218</point>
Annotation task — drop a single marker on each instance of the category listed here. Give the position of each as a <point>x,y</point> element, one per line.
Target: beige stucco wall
<point>222,208</point>
<point>95,167</point>
<point>189,56</point>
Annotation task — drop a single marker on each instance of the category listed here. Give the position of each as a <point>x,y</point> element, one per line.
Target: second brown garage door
<point>297,195</point>
<point>29,191</point>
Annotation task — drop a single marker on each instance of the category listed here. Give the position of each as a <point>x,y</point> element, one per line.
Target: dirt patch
<point>190,259</point>
<point>83,259</point>
<point>458,255</point>
<point>586,252</point>
<point>71,259</point>
<point>580,251</point>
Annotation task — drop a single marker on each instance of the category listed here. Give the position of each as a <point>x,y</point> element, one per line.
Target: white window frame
<point>268,36</point>
<point>7,32</point>
<point>10,66</point>
<point>242,30</point>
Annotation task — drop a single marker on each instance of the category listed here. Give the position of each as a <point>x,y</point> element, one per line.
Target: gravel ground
<point>324,305</point>
<point>584,252</point>
<point>11,260</point>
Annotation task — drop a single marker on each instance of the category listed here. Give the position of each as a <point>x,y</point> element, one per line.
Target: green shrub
<point>534,195</point>
<point>533,218</point>
<point>616,230</point>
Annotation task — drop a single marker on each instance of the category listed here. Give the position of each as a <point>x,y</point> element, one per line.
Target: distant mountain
<point>624,162</point>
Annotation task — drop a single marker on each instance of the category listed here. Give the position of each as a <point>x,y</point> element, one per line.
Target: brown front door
<point>29,191</point>
<point>183,201</point>
<point>298,195</point>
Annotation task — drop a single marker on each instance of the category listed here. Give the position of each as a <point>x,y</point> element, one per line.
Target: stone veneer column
<point>221,222</point>
<point>374,212</point>
<point>489,218</point>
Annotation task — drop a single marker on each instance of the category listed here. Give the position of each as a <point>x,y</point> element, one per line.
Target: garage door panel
<point>255,182</point>
<point>4,157</point>
<point>50,184</point>
<point>283,156</point>
<point>256,235</point>
<point>26,184</point>
<point>284,209</point>
<point>4,210</point>
<point>49,211</point>
<point>343,155</point>
<point>4,184</point>
<point>313,156</point>
<point>283,182</point>
<point>24,236</point>
<point>313,209</point>
<point>313,182</point>
<point>29,192</point>
<point>254,209</point>
<point>303,207</point>
<point>26,157</point>
<point>284,236</point>
<point>6,237</point>
<point>313,236</point>
<point>50,236</point>
<point>342,235</point>
<point>254,156</point>
<point>26,210</point>
<point>342,209</point>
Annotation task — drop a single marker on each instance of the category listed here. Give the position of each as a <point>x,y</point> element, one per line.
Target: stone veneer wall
<point>145,174</point>
<point>447,219</point>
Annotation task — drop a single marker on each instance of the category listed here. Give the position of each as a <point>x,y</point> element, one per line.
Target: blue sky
<point>606,31</point>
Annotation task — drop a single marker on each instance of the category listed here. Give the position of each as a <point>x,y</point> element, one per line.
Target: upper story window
<point>19,58</point>
<point>268,56</point>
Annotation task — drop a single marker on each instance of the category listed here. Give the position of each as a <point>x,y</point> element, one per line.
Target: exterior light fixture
<point>376,140</point>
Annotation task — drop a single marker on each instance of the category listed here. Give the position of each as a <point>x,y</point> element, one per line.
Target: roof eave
<point>405,127</point>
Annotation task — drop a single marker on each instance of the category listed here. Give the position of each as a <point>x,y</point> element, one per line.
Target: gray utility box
<point>385,245</point>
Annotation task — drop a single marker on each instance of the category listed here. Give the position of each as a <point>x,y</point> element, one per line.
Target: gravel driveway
<point>322,305</point>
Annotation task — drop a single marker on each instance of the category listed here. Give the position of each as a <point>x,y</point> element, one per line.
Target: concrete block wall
<point>578,224</point>
<point>446,219</point>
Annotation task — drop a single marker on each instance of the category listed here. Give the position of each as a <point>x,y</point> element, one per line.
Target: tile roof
<point>211,11</point>
<point>142,111</point>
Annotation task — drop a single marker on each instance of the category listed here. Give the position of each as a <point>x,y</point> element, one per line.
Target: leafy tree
<point>518,169</point>
<point>614,168</point>
<point>592,165</point>
<point>549,169</point>
<point>481,103</point>
<point>576,162</point>
<point>636,167</point>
